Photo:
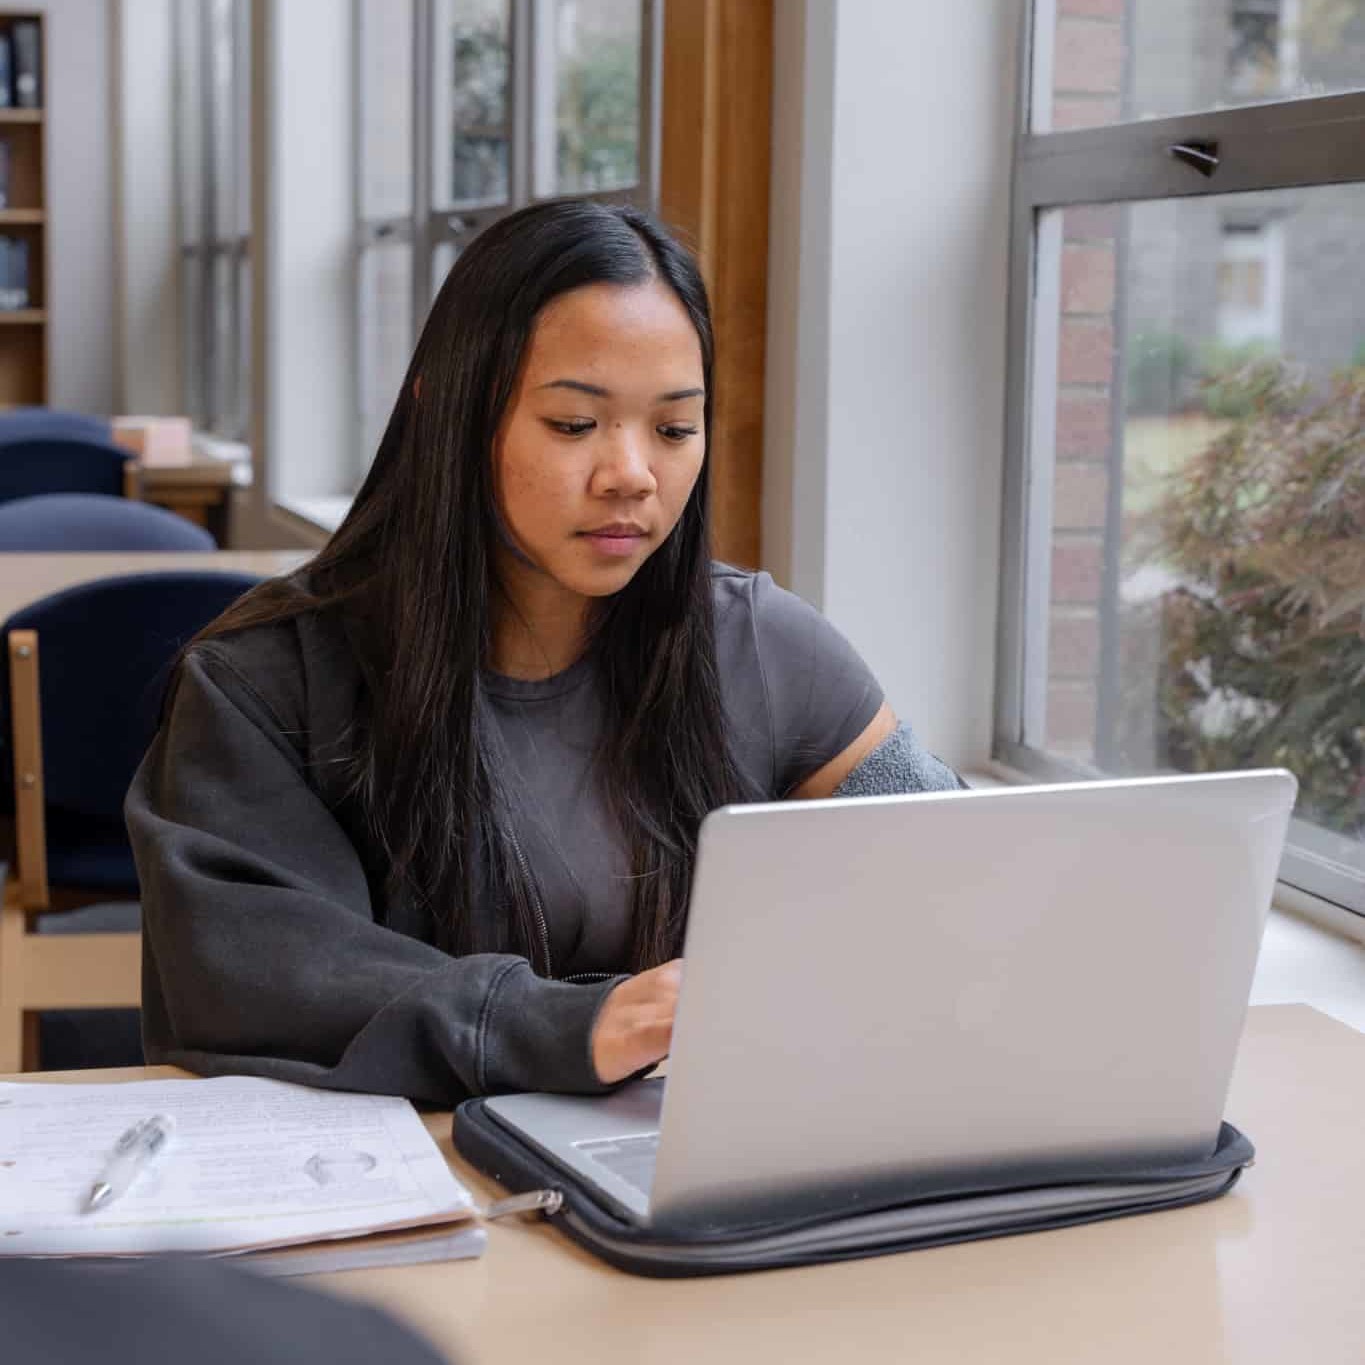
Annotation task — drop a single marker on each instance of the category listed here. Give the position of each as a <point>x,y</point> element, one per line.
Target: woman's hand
<point>634,1027</point>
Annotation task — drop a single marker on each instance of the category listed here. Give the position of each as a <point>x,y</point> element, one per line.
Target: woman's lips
<point>618,543</point>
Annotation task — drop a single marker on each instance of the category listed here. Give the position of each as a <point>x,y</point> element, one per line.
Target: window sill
<point>324,513</point>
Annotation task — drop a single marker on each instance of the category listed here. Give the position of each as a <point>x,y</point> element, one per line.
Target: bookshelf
<point>23,218</point>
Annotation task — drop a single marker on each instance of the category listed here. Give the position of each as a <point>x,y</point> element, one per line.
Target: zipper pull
<point>533,1201</point>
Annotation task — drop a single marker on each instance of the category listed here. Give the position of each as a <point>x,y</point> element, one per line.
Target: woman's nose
<point>624,468</point>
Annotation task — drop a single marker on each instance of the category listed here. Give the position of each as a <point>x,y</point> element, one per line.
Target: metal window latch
<point>1203,156</point>
<point>533,1201</point>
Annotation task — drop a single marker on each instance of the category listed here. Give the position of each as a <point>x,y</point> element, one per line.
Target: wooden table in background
<point>199,490</point>
<point>1270,1273</point>
<point>24,578</point>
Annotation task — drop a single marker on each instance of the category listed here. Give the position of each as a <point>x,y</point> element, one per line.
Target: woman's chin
<point>605,580</point>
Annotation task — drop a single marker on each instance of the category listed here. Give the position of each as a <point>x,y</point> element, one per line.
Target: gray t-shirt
<point>795,692</point>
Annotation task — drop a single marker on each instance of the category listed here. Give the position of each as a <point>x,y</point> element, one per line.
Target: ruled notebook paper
<point>253,1164</point>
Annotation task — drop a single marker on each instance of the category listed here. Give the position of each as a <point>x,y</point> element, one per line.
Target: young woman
<point>421,818</point>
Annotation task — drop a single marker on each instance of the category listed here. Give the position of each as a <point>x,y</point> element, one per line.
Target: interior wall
<point>801,222</point>
<point>310,218</point>
<point>79,193</point>
<point>890,228</point>
<point>147,361</point>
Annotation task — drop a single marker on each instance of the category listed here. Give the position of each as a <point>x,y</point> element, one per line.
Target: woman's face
<point>603,440</point>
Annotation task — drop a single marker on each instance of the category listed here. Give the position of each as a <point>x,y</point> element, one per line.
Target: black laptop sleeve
<point>966,1214</point>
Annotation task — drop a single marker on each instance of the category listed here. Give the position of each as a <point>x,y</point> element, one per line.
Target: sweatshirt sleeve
<point>261,951</point>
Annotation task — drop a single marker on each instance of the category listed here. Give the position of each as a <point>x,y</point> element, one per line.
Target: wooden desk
<point>199,490</point>
<point>1274,1272</point>
<point>24,578</point>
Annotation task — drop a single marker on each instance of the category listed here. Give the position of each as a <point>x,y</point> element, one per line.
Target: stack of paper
<point>253,1164</point>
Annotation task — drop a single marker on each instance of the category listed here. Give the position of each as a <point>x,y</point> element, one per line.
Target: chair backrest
<point>95,521</point>
<point>61,465</point>
<point>46,424</point>
<point>104,654</point>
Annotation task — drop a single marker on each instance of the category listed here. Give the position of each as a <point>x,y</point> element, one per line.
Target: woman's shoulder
<point>778,656</point>
<point>742,592</point>
<point>754,612</point>
<point>283,664</point>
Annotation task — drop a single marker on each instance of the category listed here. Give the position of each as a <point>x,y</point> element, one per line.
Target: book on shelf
<point>27,64</point>
<point>6,70</point>
<point>4,173</point>
<point>14,290</point>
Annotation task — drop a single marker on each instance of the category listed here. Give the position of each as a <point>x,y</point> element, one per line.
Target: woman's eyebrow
<point>577,384</point>
<point>675,396</point>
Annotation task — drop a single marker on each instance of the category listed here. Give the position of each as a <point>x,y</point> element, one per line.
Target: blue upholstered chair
<point>95,521</point>
<point>64,464</point>
<point>72,733</point>
<point>47,424</point>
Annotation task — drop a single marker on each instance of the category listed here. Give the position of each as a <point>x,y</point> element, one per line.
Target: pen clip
<point>130,1137</point>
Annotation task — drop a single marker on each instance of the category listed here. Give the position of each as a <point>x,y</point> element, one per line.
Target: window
<point>1184,561</point>
<point>467,110</point>
<point>1256,29</point>
<point>1251,284</point>
<point>212,102</point>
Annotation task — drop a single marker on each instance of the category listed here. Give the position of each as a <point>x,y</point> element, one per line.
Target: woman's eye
<point>675,433</point>
<point>570,428</point>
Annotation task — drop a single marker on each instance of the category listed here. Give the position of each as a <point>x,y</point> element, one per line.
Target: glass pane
<point>1112,61</point>
<point>189,122</point>
<point>471,112</point>
<point>1206,417</point>
<point>386,337</point>
<point>242,97</point>
<point>587,95</point>
<point>223,117</point>
<point>443,256</point>
<point>243,348</point>
<point>386,108</point>
<point>223,356</point>
<point>191,332</point>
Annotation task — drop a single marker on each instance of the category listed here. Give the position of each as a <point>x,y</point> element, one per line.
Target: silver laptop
<point>911,993</point>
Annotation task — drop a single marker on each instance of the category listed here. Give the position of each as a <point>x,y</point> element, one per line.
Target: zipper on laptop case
<point>548,1202</point>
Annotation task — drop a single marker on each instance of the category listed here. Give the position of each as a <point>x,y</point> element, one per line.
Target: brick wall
<point>1088,74</point>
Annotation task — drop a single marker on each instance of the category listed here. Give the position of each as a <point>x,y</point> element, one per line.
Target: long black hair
<point>411,570</point>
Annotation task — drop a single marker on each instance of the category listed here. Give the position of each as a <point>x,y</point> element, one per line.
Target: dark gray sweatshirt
<point>270,945</point>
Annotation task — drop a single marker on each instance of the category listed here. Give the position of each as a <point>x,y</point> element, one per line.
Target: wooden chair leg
<point>11,981</point>
<point>31,1049</point>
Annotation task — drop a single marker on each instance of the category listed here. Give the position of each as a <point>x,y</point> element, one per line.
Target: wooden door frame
<point>714,184</point>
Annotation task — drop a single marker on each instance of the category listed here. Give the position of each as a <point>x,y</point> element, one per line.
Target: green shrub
<point>1232,378</point>
<point>1159,372</point>
<point>1262,655</point>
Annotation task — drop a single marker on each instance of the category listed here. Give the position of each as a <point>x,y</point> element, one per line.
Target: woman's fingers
<point>634,1027</point>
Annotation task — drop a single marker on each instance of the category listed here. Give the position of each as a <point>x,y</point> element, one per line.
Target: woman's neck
<point>539,627</point>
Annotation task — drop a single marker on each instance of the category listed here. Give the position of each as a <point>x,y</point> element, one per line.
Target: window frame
<point>224,410</point>
<point>428,228</point>
<point>1284,144</point>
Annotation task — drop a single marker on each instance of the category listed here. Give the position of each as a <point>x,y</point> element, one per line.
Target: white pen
<point>135,1149</point>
